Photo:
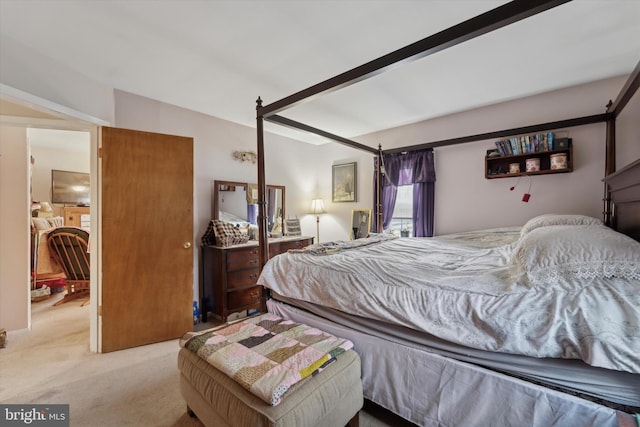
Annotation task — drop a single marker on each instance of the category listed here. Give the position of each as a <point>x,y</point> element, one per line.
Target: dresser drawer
<point>230,274</point>
<point>243,259</point>
<point>242,278</point>
<point>238,299</point>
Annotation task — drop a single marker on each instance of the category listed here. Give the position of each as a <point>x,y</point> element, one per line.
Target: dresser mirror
<point>236,202</point>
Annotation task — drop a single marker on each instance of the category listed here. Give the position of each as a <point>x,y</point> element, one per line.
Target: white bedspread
<point>460,288</point>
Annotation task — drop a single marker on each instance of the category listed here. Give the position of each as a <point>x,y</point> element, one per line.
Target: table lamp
<point>317,208</point>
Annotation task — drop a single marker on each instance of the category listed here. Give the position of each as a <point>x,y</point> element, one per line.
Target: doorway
<point>18,112</point>
<point>157,178</point>
<point>55,153</point>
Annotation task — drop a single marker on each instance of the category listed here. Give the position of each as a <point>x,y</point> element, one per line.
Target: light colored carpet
<point>135,387</point>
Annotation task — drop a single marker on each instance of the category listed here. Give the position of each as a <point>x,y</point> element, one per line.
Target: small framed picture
<point>344,183</point>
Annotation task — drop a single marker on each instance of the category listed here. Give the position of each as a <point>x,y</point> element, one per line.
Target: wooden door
<point>147,228</point>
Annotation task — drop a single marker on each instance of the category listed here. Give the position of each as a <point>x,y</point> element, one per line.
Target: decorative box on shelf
<point>558,160</point>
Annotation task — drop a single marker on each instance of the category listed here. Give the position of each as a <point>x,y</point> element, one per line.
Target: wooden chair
<point>69,245</point>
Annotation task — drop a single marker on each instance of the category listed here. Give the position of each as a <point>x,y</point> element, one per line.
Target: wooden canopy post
<point>378,207</point>
<point>609,167</point>
<point>263,243</point>
<point>614,108</point>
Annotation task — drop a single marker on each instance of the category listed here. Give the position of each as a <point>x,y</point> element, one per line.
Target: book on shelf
<point>535,143</point>
<point>514,146</point>
<point>543,144</point>
<point>507,147</point>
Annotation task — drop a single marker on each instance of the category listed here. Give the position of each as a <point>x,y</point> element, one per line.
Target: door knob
<point>187,245</point>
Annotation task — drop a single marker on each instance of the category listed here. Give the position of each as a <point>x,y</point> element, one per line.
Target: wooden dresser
<point>229,275</point>
<point>77,216</point>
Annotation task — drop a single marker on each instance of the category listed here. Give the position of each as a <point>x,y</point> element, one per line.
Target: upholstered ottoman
<point>332,397</point>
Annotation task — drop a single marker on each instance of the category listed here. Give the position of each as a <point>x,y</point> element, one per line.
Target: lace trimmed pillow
<point>546,220</point>
<point>571,252</point>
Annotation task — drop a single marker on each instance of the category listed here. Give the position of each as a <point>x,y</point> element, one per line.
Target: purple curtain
<point>252,213</point>
<point>417,168</point>
<point>389,192</point>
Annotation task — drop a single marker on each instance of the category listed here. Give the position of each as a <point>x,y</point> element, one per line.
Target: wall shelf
<point>498,166</point>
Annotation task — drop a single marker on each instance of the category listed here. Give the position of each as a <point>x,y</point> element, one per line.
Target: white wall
<point>14,228</point>
<point>336,223</point>
<point>290,163</point>
<point>30,76</point>
<point>27,70</point>
<point>465,200</point>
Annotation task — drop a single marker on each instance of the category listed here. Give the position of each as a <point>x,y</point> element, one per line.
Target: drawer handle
<point>253,261</point>
<point>253,294</point>
<point>253,276</point>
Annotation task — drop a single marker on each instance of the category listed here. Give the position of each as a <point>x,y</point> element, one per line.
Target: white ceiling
<point>217,57</point>
<point>59,140</point>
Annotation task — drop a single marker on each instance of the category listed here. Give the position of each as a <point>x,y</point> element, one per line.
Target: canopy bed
<point>480,328</point>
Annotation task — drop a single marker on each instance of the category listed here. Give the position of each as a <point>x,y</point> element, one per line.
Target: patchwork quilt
<point>266,354</point>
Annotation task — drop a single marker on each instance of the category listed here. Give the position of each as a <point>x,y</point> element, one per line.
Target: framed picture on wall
<point>344,183</point>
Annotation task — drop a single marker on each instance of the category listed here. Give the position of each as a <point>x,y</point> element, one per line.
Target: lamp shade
<point>317,207</point>
<point>46,207</point>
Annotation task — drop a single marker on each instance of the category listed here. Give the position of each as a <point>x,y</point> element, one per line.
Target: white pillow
<point>568,252</point>
<point>56,221</point>
<point>558,219</point>
<point>41,224</point>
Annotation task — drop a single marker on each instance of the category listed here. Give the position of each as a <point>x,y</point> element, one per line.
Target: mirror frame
<point>216,197</point>
<point>356,232</point>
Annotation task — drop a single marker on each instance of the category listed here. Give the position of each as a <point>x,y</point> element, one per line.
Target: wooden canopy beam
<point>597,118</point>
<point>494,19</point>
<point>628,90</point>
<point>310,129</point>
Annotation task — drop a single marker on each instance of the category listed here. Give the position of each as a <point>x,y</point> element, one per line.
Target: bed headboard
<point>624,186</point>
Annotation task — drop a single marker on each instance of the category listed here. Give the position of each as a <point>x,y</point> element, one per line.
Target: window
<point>402,219</point>
<point>415,172</point>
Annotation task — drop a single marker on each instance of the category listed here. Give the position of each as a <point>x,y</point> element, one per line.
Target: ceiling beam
<point>489,21</point>
<point>310,129</point>
<point>586,120</point>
